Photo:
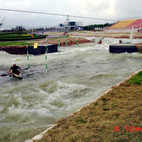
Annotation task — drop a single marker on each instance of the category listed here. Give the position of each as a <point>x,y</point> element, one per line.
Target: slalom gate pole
<point>74,41</point>
<point>66,40</point>
<point>59,45</point>
<point>46,47</point>
<point>77,41</point>
<point>28,56</point>
<point>46,56</point>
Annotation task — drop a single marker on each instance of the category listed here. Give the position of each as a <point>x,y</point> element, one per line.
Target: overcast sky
<point>103,9</point>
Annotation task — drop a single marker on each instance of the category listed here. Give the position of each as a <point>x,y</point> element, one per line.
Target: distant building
<point>72,25</point>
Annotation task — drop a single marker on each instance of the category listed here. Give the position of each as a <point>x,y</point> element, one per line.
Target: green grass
<point>120,107</point>
<point>136,79</point>
<point>15,43</point>
<point>6,38</point>
<point>14,37</point>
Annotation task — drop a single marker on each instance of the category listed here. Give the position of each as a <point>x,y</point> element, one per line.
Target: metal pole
<point>77,41</point>
<point>46,47</point>
<point>59,45</point>
<point>46,56</point>
<point>28,57</point>
<point>74,41</point>
<point>66,40</point>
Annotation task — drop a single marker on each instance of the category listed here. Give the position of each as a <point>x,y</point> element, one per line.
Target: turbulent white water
<point>76,76</point>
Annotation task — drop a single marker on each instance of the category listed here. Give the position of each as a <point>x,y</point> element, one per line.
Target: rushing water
<point>76,76</point>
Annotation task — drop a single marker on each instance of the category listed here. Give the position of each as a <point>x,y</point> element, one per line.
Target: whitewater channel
<point>76,76</point>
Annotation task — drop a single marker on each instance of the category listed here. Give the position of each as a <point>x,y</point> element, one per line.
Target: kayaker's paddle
<point>3,75</point>
<point>9,74</point>
<point>25,69</point>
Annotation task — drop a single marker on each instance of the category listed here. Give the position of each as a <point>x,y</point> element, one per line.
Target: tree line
<point>99,26</point>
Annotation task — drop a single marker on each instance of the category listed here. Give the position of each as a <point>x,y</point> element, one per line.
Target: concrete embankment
<point>63,41</point>
<point>14,49</point>
<point>106,33</point>
<point>139,47</point>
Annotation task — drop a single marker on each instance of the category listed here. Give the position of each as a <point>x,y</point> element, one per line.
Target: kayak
<point>18,76</point>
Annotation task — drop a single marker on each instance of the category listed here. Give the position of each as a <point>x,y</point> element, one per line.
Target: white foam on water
<point>57,98</point>
<point>76,76</point>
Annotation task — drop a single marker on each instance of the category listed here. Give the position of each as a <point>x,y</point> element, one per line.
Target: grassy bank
<point>26,42</point>
<point>15,37</point>
<point>116,116</point>
<point>16,43</point>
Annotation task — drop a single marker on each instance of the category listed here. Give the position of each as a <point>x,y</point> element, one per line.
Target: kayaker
<point>120,41</point>
<point>15,69</point>
<point>100,41</point>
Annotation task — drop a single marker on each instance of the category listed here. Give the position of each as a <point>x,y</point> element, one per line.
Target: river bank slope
<point>115,116</point>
